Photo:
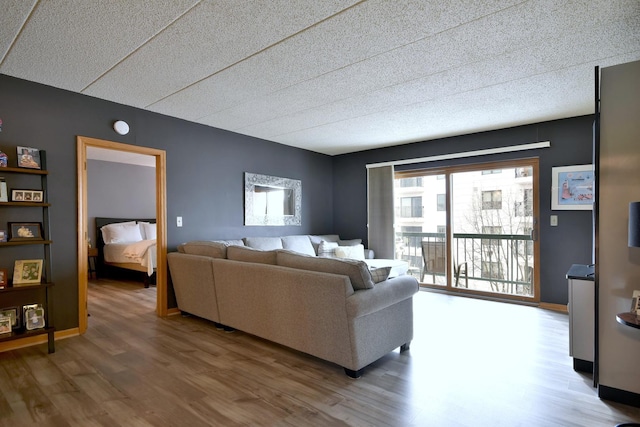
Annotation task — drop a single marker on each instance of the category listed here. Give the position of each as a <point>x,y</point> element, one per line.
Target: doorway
<point>471,229</point>
<point>161,271</point>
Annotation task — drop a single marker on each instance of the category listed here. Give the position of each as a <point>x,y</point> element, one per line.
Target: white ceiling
<point>331,76</point>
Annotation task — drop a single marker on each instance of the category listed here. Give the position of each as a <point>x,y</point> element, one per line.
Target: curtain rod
<point>509,149</point>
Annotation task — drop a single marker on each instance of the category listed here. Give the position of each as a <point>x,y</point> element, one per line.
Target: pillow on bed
<point>105,229</point>
<point>148,230</point>
<point>121,233</point>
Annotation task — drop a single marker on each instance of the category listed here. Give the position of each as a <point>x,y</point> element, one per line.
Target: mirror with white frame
<point>270,200</point>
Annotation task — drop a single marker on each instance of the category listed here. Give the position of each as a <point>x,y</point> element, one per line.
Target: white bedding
<point>142,252</point>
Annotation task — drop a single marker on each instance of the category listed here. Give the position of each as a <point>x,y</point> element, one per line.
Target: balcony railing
<point>501,263</point>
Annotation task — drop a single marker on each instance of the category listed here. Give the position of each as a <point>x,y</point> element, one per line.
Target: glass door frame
<point>448,171</point>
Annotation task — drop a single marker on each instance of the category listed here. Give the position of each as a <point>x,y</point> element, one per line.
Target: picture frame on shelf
<point>4,278</point>
<point>3,236</point>
<point>25,308</point>
<point>34,318</point>
<point>13,314</point>
<point>33,196</point>
<point>28,157</point>
<point>23,231</point>
<point>27,272</point>
<point>5,325</point>
<point>572,187</point>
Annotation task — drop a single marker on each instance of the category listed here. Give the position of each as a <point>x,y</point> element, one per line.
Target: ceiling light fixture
<point>121,127</point>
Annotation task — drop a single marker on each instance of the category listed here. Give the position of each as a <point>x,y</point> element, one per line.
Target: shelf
<point>23,170</point>
<point>628,319</point>
<point>25,334</point>
<point>25,204</point>
<point>27,242</point>
<point>20,288</point>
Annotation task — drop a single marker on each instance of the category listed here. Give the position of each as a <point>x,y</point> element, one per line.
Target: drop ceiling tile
<point>209,38</point>
<point>12,18</point>
<point>70,44</point>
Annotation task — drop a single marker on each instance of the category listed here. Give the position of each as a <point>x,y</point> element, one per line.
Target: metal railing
<point>501,263</point>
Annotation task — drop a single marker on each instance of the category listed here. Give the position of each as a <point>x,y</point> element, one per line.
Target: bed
<point>127,249</point>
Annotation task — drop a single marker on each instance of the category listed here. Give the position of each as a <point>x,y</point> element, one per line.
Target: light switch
<point>554,220</point>
<point>179,221</point>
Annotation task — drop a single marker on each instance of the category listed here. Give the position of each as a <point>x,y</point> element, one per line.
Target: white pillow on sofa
<point>350,252</point>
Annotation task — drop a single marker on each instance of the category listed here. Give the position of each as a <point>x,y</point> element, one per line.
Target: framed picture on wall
<point>572,187</point>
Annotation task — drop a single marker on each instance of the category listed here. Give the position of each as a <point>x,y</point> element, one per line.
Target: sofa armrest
<point>383,294</point>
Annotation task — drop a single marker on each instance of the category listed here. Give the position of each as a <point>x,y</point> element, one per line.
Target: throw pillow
<point>300,244</point>
<point>351,252</point>
<point>380,274</point>
<point>327,249</point>
<point>316,240</point>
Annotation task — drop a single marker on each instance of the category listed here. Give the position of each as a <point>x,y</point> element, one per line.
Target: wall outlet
<point>554,220</point>
<point>179,221</point>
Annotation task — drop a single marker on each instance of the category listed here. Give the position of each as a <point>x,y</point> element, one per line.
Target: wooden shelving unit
<point>21,295</point>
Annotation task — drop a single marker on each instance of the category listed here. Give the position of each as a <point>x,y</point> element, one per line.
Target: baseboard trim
<point>554,307</point>
<point>173,311</point>
<point>38,339</point>
<point>620,396</point>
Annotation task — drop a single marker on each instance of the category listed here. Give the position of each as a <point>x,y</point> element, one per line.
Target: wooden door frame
<point>161,213</point>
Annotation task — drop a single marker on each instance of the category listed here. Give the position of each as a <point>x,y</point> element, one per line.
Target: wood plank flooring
<point>472,363</point>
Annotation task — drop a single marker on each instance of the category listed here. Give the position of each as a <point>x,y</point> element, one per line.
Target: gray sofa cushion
<point>264,243</point>
<point>204,247</point>
<point>358,271</point>
<point>247,254</point>
<point>352,242</point>
<point>300,244</point>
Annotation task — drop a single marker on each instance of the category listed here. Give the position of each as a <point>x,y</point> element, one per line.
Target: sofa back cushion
<point>300,244</point>
<point>205,248</point>
<point>358,271</point>
<point>247,254</point>
<point>264,243</point>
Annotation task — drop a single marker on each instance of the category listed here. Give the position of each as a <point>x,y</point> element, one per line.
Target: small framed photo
<point>35,196</point>
<point>5,325</point>
<point>3,235</point>
<point>28,158</point>
<point>27,271</point>
<point>13,314</point>
<point>4,278</point>
<point>25,309</point>
<point>25,231</point>
<point>34,318</point>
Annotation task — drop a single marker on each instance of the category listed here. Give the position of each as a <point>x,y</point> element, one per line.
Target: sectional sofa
<point>334,309</point>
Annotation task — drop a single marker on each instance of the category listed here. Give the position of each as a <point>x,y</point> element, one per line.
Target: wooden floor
<point>472,363</point>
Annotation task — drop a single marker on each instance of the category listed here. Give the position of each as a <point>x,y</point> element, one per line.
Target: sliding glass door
<point>470,229</point>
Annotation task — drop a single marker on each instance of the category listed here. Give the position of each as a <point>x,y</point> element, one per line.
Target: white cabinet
<point>581,322</point>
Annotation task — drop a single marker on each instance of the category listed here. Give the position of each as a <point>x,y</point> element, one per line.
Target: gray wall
<point>571,144</point>
<point>205,169</point>
<point>618,268</point>
<point>119,190</point>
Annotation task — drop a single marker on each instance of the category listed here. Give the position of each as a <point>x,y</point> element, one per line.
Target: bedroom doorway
<point>83,143</point>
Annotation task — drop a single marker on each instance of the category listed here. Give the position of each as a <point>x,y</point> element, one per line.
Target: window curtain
<point>380,211</point>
